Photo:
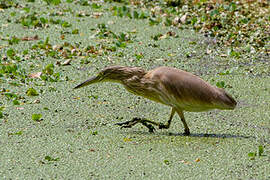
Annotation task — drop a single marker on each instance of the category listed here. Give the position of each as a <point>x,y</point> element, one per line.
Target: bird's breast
<point>146,90</point>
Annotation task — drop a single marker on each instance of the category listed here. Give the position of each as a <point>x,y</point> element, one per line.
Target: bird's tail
<point>228,102</point>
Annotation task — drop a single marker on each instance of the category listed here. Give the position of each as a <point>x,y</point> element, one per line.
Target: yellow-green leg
<point>181,115</point>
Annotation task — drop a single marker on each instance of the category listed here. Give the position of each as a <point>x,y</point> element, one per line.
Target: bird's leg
<point>143,121</point>
<point>181,115</point>
<point>166,126</point>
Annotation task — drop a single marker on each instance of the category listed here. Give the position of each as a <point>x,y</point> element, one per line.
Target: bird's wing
<point>189,92</point>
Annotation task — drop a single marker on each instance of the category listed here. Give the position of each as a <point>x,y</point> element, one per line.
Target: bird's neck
<point>137,83</point>
<point>132,74</point>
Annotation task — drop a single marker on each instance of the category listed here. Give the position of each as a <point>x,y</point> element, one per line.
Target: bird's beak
<point>92,80</point>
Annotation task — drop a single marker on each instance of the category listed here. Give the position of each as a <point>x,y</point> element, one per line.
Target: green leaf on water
<point>16,133</point>
<point>13,14</point>
<point>46,108</point>
<point>84,3</point>
<point>167,162</point>
<point>36,117</point>
<point>10,53</point>
<point>53,2</point>
<point>43,20</point>
<point>96,6</point>
<point>233,53</point>
<point>156,37</point>
<point>135,14</point>
<point>48,69</point>
<point>65,24</point>
<point>120,44</point>
<point>49,158</point>
<point>260,150</point>
<point>126,139</point>
<point>75,31</point>
<point>93,96</point>
<point>16,102</point>
<point>10,95</point>
<point>251,154</point>
<point>168,22</point>
<point>220,84</point>
<point>139,56</point>
<point>32,92</point>
<point>13,40</point>
<point>25,52</point>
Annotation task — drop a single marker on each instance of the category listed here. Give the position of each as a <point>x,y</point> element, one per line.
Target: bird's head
<point>111,74</point>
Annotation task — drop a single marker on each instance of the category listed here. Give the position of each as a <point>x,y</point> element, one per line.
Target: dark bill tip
<point>92,80</point>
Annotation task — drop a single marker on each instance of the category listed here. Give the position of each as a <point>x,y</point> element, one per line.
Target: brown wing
<point>190,92</point>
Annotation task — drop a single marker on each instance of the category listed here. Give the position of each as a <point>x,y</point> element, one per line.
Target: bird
<point>179,89</point>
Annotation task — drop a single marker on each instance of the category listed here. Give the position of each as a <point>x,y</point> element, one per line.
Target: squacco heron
<point>180,90</point>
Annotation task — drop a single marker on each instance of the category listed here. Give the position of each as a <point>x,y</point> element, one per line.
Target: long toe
<point>151,128</point>
<point>127,124</point>
<point>163,126</point>
<point>120,124</point>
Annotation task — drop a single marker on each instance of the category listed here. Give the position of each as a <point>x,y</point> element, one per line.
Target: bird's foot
<point>149,126</point>
<point>163,126</point>
<point>186,133</point>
